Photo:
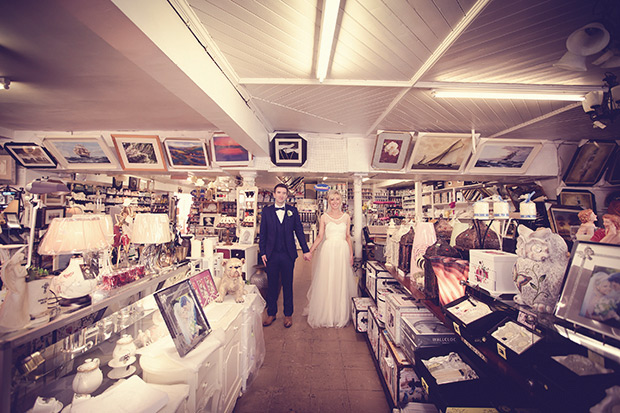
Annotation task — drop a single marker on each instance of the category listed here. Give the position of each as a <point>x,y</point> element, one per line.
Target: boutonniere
<point>289,213</point>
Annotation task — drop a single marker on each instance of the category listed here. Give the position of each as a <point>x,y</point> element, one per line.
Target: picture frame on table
<point>505,156</point>
<point>82,152</point>
<point>562,218</point>
<point>246,235</point>
<point>391,150</point>
<point>577,198</point>
<point>204,287</point>
<point>8,169</point>
<point>588,163</point>
<point>288,149</point>
<point>140,152</point>
<point>225,151</point>
<point>187,153</point>
<point>440,152</point>
<point>30,155</point>
<point>186,321</point>
<point>590,264</point>
<point>613,170</point>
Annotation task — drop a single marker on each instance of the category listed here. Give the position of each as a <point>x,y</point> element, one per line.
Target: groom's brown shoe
<point>269,320</point>
<point>288,321</point>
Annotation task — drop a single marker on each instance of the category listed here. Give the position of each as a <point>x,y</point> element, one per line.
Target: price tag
<point>501,350</point>
<point>457,328</point>
<point>424,385</point>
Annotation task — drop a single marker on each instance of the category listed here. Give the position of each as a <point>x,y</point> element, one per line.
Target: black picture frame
<point>31,155</point>
<point>183,315</point>
<point>613,170</point>
<point>117,182</point>
<point>588,163</point>
<point>578,198</point>
<point>562,218</point>
<point>288,149</point>
<point>134,183</point>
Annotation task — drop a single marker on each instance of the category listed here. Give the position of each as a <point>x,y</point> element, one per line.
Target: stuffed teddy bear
<point>232,281</point>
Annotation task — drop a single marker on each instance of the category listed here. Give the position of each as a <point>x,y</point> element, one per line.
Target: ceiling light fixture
<point>603,106</point>
<point>4,83</point>
<point>478,94</point>
<point>326,40</point>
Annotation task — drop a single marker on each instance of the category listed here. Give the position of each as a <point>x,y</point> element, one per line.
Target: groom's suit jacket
<point>292,225</point>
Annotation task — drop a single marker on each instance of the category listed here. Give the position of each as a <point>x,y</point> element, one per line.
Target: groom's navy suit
<point>277,242</point>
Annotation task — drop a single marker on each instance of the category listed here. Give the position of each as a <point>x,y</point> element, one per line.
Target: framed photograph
<point>581,199</point>
<point>82,153</point>
<point>139,152</point>
<point>591,283</point>
<point>49,213</point>
<point>391,150</point>
<point>504,156</point>
<point>184,317</point>
<point>208,220</point>
<point>440,152</point>
<point>227,152</point>
<point>246,235</point>
<point>204,287</point>
<point>186,153</point>
<point>562,218</point>
<point>134,183</point>
<point>613,170</point>
<point>288,149</point>
<point>588,163</point>
<point>30,155</point>
<point>117,182</point>
<point>7,169</point>
<point>53,199</point>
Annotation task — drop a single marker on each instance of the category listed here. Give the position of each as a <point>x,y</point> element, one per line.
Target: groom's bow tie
<point>279,208</point>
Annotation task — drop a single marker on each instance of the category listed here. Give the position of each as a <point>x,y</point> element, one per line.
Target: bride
<point>333,282</point>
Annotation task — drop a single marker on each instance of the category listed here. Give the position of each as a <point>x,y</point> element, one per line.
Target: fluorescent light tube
<point>328,29</point>
<point>568,97</point>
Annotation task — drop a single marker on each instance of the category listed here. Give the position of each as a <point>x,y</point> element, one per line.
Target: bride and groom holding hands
<point>333,282</point>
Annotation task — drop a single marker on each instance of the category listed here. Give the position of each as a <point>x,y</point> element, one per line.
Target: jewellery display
<point>449,368</point>
<point>581,365</point>
<point>515,337</point>
<point>469,310</point>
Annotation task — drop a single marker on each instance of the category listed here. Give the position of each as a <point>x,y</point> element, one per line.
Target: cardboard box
<point>399,306</point>
<point>374,330</point>
<point>376,277</point>
<point>359,312</point>
<point>382,293</point>
<point>491,270</point>
<point>426,332</point>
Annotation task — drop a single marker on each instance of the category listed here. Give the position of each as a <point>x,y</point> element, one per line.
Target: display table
<point>220,367</point>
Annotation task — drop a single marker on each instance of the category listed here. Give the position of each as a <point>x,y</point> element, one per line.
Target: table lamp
<point>107,226</point>
<point>75,235</point>
<point>150,229</point>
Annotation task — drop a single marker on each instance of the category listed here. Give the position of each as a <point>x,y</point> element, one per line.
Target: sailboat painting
<point>504,156</point>
<point>81,153</point>
<point>440,152</point>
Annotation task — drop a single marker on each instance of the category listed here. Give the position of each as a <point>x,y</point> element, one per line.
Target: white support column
<point>357,215</point>
<point>418,201</point>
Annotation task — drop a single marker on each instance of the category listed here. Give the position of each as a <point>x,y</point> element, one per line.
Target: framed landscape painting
<point>504,156</point>
<point>588,163</point>
<point>82,152</point>
<point>582,199</point>
<point>30,155</point>
<point>187,153</point>
<point>139,152</point>
<point>440,152</point>
<point>227,152</point>
<point>391,150</point>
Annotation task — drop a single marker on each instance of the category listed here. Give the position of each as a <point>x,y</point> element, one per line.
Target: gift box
<point>400,378</point>
<point>425,332</point>
<point>382,294</point>
<point>471,318</point>
<point>359,312</point>
<point>491,270</point>
<point>377,277</point>
<point>399,306</point>
<point>375,327</point>
<point>512,340</point>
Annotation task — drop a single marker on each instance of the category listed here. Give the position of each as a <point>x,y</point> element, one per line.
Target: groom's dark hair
<point>280,185</point>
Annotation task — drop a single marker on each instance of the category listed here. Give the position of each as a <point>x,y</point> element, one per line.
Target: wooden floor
<point>313,370</point>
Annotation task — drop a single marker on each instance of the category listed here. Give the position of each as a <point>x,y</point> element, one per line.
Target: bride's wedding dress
<point>333,281</point>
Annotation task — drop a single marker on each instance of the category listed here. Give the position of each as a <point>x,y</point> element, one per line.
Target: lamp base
<point>70,283</point>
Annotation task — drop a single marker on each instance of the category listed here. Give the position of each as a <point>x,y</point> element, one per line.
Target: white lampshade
<point>107,226</point>
<point>612,62</point>
<point>592,100</point>
<point>571,61</point>
<point>590,39</point>
<point>151,229</point>
<point>79,233</point>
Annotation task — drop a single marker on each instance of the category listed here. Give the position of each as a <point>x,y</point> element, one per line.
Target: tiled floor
<point>313,370</point>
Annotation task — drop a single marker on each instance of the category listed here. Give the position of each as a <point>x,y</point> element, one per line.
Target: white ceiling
<point>133,65</point>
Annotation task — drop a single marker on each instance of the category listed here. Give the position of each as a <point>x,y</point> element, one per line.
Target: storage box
<point>402,305</point>
<point>514,347</point>
<point>400,378</point>
<point>376,277</point>
<point>491,270</point>
<point>374,329</point>
<point>471,318</point>
<point>425,332</point>
<point>359,312</point>
<point>382,293</point>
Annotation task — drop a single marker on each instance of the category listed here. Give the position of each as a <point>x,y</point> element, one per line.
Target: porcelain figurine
<point>588,226</point>
<point>88,378</point>
<point>124,349</point>
<point>540,267</point>
<point>14,312</point>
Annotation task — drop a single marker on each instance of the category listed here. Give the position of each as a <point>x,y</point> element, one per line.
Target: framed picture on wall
<point>441,152</point>
<point>186,153</point>
<point>82,152</point>
<point>30,155</point>
<point>134,183</point>
<point>183,315</point>
<point>391,150</point>
<point>575,198</point>
<point>50,213</point>
<point>564,221</point>
<point>288,149</point>
<point>7,169</point>
<point>588,163</point>
<point>53,199</point>
<point>503,156</point>
<point>139,152</point>
<point>613,170</point>
<point>227,152</point>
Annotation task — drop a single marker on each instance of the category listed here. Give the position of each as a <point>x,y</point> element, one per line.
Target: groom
<point>277,249</point>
